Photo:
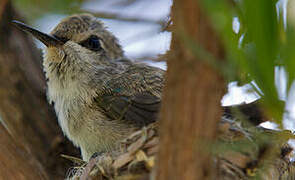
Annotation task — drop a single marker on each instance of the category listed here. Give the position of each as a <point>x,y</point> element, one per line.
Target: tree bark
<point>15,161</point>
<point>23,106</point>
<point>191,105</point>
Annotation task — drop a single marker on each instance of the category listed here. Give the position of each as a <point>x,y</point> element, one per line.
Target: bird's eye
<point>92,43</point>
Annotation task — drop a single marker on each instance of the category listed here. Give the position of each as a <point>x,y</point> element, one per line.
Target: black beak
<point>48,40</point>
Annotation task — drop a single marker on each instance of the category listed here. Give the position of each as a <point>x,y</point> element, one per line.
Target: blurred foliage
<point>33,9</point>
<point>261,44</point>
<point>252,54</point>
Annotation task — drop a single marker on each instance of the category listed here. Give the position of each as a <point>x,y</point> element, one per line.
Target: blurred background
<point>139,25</point>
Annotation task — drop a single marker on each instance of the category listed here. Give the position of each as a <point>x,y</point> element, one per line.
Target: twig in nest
<point>75,160</point>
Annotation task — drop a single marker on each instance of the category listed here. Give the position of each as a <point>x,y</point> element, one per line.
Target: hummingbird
<point>99,96</point>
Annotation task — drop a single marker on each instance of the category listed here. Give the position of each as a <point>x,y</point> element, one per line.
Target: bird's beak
<point>48,40</point>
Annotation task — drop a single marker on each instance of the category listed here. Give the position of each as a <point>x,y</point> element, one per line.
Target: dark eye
<point>92,43</point>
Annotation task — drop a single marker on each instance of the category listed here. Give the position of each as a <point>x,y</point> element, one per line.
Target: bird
<point>99,96</point>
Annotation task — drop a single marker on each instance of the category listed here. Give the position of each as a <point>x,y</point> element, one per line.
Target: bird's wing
<point>251,112</point>
<point>135,97</point>
<point>140,109</point>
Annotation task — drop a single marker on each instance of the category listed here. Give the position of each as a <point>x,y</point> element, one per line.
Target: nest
<point>134,160</point>
<point>240,153</point>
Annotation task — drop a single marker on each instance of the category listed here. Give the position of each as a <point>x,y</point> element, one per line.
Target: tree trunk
<point>15,162</point>
<point>191,100</point>
<point>23,106</point>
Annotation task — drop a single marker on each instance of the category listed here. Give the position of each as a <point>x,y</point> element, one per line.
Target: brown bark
<point>23,106</point>
<point>191,101</point>
<point>15,162</point>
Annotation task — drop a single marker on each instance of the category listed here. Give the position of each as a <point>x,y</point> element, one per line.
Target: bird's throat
<point>55,54</point>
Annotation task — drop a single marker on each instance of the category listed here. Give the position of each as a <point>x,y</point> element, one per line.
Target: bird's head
<point>77,39</point>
